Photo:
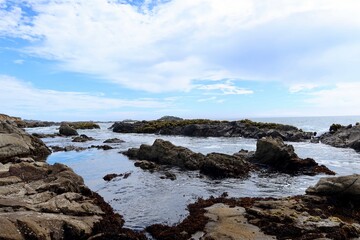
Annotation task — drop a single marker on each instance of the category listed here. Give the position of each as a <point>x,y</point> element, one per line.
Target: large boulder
<point>341,136</point>
<point>66,130</point>
<point>274,153</point>
<point>166,153</point>
<point>215,165</point>
<point>16,143</point>
<point>337,186</point>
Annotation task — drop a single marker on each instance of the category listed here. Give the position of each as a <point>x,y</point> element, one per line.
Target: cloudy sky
<point>142,59</point>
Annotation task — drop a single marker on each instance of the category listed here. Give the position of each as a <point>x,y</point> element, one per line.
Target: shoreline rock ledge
<point>43,201</point>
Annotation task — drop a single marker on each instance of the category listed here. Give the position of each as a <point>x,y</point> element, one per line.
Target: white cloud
<point>343,99</point>
<point>226,88</point>
<point>170,46</point>
<point>302,87</point>
<point>22,98</point>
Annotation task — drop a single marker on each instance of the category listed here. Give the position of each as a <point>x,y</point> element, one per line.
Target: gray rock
<point>343,137</point>
<point>14,142</point>
<point>66,130</point>
<point>337,186</point>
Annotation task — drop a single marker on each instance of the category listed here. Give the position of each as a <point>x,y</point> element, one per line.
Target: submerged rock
<point>14,142</point>
<point>114,140</point>
<point>277,155</point>
<point>66,130</point>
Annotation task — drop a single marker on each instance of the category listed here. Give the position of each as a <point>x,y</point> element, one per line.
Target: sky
<point>143,59</point>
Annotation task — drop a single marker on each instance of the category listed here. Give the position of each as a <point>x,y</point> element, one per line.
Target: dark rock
<point>218,165</point>
<point>37,123</point>
<point>274,153</point>
<point>114,140</point>
<point>83,125</point>
<point>342,137</point>
<point>44,135</point>
<point>146,165</point>
<point>103,147</point>
<point>66,130</point>
<point>169,175</point>
<point>111,176</point>
<point>209,128</point>
<point>315,140</point>
<point>14,142</point>
<point>82,138</point>
<point>170,118</point>
<point>67,148</point>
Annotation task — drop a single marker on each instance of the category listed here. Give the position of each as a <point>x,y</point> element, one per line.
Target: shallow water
<point>144,198</point>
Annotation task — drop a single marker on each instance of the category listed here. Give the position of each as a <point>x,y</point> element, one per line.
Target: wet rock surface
<point>343,137</point>
<point>114,140</point>
<point>310,216</point>
<point>275,154</point>
<point>209,128</point>
<point>82,138</point>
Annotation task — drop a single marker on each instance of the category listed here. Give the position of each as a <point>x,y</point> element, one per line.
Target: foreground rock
<point>271,153</point>
<point>14,143</point>
<point>209,128</point>
<point>42,201</point>
<point>12,120</point>
<point>316,215</point>
<point>214,165</point>
<point>343,137</point>
<point>274,153</point>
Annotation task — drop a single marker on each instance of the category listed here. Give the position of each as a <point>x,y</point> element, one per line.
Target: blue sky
<point>141,59</point>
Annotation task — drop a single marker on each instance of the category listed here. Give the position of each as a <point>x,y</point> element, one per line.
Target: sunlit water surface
<point>144,198</point>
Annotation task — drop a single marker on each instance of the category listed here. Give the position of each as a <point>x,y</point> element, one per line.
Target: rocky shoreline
<point>42,201</point>
<point>342,136</point>
<point>209,128</point>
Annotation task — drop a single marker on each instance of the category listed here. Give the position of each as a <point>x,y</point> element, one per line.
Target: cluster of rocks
<point>329,210</point>
<point>271,153</point>
<point>208,128</point>
<point>342,136</point>
<point>42,201</point>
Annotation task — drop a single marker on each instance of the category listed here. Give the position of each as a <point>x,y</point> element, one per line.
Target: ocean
<point>144,198</point>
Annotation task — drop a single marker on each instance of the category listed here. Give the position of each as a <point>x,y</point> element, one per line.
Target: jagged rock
<point>348,186</point>
<point>83,125</point>
<point>66,130</point>
<point>82,138</point>
<point>274,153</point>
<point>103,147</point>
<point>14,142</point>
<point>215,165</point>
<point>340,136</point>
<point>67,148</point>
<point>114,140</point>
<point>169,175</point>
<point>146,165</point>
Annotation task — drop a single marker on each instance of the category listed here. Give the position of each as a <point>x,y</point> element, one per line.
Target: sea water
<point>144,198</point>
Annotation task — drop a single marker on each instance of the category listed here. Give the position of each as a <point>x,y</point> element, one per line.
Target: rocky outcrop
<point>66,130</point>
<point>42,201</point>
<point>311,216</point>
<point>12,120</point>
<point>83,125</point>
<point>343,137</point>
<point>37,123</point>
<point>275,154</point>
<point>209,128</point>
<point>82,138</point>
<point>214,165</point>
<point>344,186</point>
<point>14,142</point>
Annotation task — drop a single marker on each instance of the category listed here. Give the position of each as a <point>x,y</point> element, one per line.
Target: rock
<point>83,125</point>
<point>208,128</point>
<point>12,120</point>
<point>170,118</point>
<point>37,123</point>
<point>103,147</point>
<point>348,186</point>
<point>14,142</point>
<point>82,138</point>
<point>343,137</point>
<point>114,140</point>
<point>215,165</point>
<point>165,153</point>
<point>44,135</point>
<point>274,153</point>
<point>146,165</point>
<point>67,148</point>
<point>169,175</point>
<point>111,176</point>
<point>66,130</point>
<point>218,165</point>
